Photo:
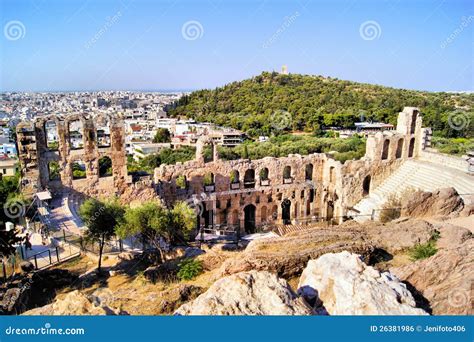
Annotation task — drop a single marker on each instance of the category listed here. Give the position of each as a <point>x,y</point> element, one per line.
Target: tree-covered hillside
<point>316,102</point>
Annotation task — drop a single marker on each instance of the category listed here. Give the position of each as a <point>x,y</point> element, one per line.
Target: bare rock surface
<point>446,279</point>
<point>73,303</point>
<point>342,284</point>
<point>247,293</point>
<point>441,202</point>
<point>288,255</point>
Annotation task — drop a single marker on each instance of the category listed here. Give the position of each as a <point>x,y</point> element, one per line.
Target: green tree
<point>151,221</point>
<point>101,219</point>
<point>162,135</point>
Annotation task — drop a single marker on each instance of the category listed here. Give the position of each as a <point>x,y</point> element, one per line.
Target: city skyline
<point>183,45</point>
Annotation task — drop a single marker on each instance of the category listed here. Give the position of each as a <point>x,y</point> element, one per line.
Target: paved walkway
<point>43,252</point>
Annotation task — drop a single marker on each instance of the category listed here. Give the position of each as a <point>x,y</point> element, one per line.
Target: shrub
<point>391,209</point>
<point>189,269</point>
<point>424,250</point>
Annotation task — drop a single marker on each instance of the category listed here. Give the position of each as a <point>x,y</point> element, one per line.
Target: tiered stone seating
<point>419,175</point>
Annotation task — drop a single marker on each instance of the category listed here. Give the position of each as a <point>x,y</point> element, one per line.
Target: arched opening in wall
<point>411,147</point>
<point>414,116</point>
<point>308,174</point>
<point>103,132</point>
<point>399,148</point>
<point>332,174</point>
<point>234,177</point>
<point>264,180</point>
<point>76,135</point>
<point>263,214</point>
<point>209,182</point>
<point>78,169</point>
<point>208,215</point>
<point>386,145</point>
<point>105,167</point>
<point>249,178</point>
<point>249,219</point>
<point>52,135</point>
<point>366,185</point>
<point>287,175</point>
<point>308,208</point>
<point>208,152</point>
<point>54,171</point>
<point>330,211</point>
<point>296,210</point>
<point>286,211</point>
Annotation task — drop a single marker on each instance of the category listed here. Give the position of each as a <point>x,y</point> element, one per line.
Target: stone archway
<point>411,147</point>
<point>366,185</point>
<point>286,211</point>
<point>249,219</point>
<point>330,211</point>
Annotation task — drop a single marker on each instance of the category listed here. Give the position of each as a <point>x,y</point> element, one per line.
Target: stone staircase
<point>415,174</point>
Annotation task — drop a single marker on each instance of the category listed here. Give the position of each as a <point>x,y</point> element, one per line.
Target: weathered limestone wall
<point>89,153</point>
<point>319,187</point>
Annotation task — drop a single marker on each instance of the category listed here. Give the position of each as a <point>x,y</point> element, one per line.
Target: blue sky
<point>140,44</point>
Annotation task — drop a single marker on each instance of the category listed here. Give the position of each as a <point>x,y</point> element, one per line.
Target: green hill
<point>316,102</point>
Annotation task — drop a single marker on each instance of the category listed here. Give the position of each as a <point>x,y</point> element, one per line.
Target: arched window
<point>78,169</point>
<point>386,145</point>
<point>366,185</point>
<point>264,180</point>
<point>399,148</point>
<point>52,137</point>
<point>411,147</point>
<point>209,182</point>
<point>105,167</point>
<point>287,174</point>
<point>54,171</point>
<point>414,116</point>
<point>234,176</point>
<point>76,135</point>
<point>332,174</point>
<point>249,178</point>
<point>308,175</point>
<point>103,132</point>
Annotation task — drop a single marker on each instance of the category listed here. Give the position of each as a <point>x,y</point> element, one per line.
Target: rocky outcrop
<point>441,202</point>
<point>398,235</point>
<point>73,303</point>
<point>247,293</point>
<point>176,297</point>
<point>287,256</point>
<point>446,279</point>
<point>341,284</point>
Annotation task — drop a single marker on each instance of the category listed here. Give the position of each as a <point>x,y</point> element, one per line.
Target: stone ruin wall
<point>332,191</point>
<point>65,155</point>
